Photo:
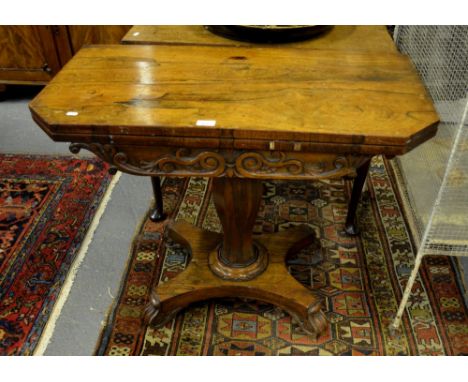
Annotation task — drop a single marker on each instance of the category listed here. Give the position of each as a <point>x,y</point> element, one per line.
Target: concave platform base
<point>274,285</point>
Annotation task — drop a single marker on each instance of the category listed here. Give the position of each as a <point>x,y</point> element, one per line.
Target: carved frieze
<point>168,161</point>
<point>205,163</point>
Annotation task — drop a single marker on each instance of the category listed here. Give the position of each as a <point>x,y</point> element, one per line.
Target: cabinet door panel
<point>95,34</point>
<point>34,54</point>
<point>27,54</point>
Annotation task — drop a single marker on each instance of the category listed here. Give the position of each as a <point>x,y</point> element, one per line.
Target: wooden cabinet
<point>31,54</point>
<point>80,35</point>
<point>27,54</point>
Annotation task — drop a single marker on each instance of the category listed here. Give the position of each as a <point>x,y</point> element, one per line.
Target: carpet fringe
<point>64,293</point>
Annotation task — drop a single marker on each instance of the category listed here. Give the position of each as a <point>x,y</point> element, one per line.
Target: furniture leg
<point>157,214</point>
<point>351,227</point>
<point>237,201</point>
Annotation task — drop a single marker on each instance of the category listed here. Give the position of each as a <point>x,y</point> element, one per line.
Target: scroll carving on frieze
<point>205,163</point>
<point>252,163</point>
<point>104,151</point>
<point>168,161</point>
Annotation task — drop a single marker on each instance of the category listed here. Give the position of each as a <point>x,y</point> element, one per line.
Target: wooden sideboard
<point>33,54</point>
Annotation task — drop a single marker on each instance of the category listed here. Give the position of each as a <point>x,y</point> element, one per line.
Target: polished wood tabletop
<point>370,102</point>
<point>240,113</point>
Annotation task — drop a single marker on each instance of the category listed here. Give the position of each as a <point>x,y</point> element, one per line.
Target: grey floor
<point>98,278</point>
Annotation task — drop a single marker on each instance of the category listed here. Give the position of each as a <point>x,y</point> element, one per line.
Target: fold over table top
<point>370,102</point>
<point>340,37</point>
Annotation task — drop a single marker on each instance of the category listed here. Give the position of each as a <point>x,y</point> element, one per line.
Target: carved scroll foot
<point>316,321</point>
<point>153,312</point>
<point>153,308</point>
<point>275,285</point>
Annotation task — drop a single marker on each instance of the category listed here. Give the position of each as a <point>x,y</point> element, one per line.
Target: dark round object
<point>268,34</point>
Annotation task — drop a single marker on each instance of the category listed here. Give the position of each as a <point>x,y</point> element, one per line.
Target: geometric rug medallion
<point>360,280</point>
<point>46,206</point>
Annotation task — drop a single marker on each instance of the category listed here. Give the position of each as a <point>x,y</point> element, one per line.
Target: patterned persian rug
<point>46,206</point>
<point>360,280</point>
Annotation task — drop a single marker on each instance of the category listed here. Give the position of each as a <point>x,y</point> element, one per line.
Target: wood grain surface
<point>351,97</point>
<point>275,285</point>
<point>95,34</point>
<point>33,54</point>
<point>27,54</point>
<point>340,37</point>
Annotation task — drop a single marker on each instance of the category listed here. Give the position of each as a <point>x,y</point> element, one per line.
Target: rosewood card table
<point>239,115</point>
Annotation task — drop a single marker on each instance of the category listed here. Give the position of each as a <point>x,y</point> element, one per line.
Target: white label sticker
<point>206,122</point>
<point>72,113</point>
